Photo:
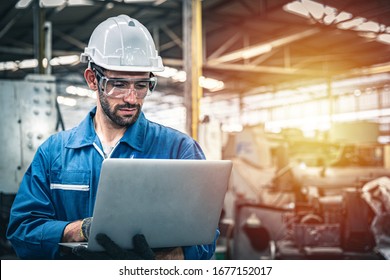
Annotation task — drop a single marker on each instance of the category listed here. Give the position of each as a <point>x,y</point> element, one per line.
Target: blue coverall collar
<point>84,134</point>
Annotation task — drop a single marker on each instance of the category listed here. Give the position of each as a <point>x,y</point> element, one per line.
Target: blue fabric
<point>73,158</point>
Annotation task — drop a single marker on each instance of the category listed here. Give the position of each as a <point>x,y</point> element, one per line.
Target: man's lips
<point>127,111</point>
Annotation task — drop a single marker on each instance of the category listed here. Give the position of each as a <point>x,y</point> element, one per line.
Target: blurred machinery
<point>28,115</point>
<point>301,199</point>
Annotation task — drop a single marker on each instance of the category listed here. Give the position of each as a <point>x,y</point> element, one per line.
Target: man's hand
<point>141,250</point>
<point>72,232</point>
<point>77,231</point>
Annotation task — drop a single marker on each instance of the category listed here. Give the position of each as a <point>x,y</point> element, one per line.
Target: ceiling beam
<point>176,39</point>
<point>263,69</point>
<point>70,39</point>
<point>258,49</point>
<point>232,40</point>
<point>10,23</point>
<point>375,69</point>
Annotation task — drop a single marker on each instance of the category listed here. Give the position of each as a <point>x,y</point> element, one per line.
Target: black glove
<point>141,250</point>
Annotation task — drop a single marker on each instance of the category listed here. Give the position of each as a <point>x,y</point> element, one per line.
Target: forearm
<point>72,232</point>
<point>36,242</point>
<point>175,254</point>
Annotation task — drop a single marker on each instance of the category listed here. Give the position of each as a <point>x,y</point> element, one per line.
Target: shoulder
<point>185,146</point>
<point>171,134</point>
<point>56,141</point>
<point>165,129</point>
<point>58,137</point>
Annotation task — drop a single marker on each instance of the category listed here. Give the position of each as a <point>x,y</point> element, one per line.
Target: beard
<point>112,113</point>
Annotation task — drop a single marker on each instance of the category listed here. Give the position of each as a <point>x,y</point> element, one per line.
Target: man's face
<point>124,111</point>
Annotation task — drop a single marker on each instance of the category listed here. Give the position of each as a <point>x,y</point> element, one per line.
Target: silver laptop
<point>172,202</point>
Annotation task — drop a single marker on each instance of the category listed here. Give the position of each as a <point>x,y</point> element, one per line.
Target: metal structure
<point>251,46</point>
<point>28,116</point>
<point>310,207</point>
<point>302,48</point>
<point>192,54</point>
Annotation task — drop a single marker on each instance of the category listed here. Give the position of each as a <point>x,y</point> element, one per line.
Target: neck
<point>109,133</point>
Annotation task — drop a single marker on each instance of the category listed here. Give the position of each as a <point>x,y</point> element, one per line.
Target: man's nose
<point>131,96</point>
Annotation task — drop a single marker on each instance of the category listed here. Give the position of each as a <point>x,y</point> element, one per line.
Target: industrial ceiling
<point>249,45</point>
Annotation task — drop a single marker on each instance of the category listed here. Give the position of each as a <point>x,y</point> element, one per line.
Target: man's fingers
<point>142,248</point>
<point>86,254</point>
<point>116,252</point>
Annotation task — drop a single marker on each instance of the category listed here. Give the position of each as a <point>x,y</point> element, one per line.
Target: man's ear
<point>90,78</point>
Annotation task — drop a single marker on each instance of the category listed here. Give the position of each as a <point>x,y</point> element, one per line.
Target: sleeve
<point>192,150</point>
<point>33,229</point>
<point>201,252</point>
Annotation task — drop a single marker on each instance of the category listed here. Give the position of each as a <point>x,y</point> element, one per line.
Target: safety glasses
<point>120,88</point>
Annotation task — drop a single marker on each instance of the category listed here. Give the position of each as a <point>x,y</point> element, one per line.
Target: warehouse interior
<point>296,93</point>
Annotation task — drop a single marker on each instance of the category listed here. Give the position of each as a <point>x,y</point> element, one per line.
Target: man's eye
<point>119,84</point>
<point>141,85</point>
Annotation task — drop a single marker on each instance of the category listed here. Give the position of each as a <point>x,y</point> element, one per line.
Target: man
<point>56,198</point>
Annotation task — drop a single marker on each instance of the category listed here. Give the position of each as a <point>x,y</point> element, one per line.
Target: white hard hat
<point>122,44</point>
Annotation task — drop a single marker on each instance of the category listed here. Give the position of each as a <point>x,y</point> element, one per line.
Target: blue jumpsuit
<point>60,184</point>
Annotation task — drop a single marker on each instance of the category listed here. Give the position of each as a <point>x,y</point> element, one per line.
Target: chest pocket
<point>70,192</point>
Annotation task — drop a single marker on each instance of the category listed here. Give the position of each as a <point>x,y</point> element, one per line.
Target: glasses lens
<point>119,88</point>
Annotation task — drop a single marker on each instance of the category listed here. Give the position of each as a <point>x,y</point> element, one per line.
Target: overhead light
<point>232,127</point>
<point>22,4</point>
<point>109,6</point>
<point>32,63</point>
<point>168,72</point>
<point>211,84</point>
<point>51,3</point>
<point>180,76</point>
<point>357,92</point>
<point>173,73</point>
<point>67,101</point>
<point>65,60</point>
<point>343,16</point>
<point>9,65</point>
<point>79,91</point>
<point>369,26</point>
<point>384,38</point>
<point>297,7</point>
<point>350,24</point>
<point>317,10</point>
<point>28,63</point>
<point>159,2</point>
<point>140,1</point>
<point>44,62</point>
<point>329,15</point>
<point>80,3</point>
<point>311,9</point>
